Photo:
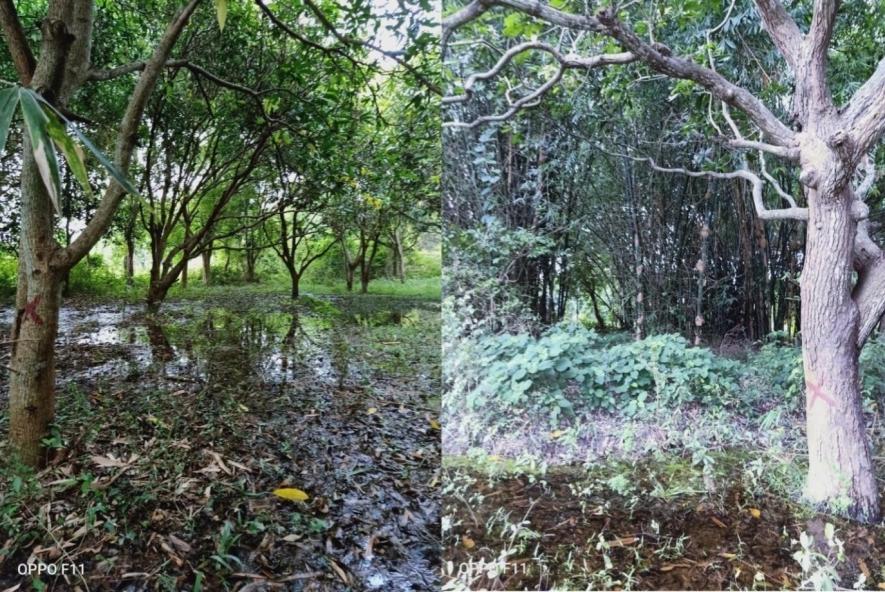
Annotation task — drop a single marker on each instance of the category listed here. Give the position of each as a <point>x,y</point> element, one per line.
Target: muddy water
<point>270,342</point>
<point>335,396</point>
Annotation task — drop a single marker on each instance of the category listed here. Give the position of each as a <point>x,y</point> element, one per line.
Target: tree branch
<point>864,116</point>
<point>21,53</point>
<point>791,213</point>
<point>659,58</point>
<point>565,62</point>
<point>782,29</point>
<point>126,138</point>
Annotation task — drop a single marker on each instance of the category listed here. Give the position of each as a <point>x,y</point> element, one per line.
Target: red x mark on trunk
<point>818,393</point>
<point>31,310</point>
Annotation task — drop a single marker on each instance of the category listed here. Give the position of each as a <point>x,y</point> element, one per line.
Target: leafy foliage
<point>569,369</point>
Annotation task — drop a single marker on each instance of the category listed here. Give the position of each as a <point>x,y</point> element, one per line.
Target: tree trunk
<point>207,267</point>
<point>296,279</point>
<point>184,275</point>
<point>364,280</point>
<point>840,468</point>
<point>129,263</point>
<point>701,269</point>
<point>32,369</point>
<point>399,257</point>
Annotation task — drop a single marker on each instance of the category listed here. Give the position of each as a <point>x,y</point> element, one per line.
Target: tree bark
<point>129,262</point>
<point>207,267</point>
<point>840,467</point>
<point>32,371</point>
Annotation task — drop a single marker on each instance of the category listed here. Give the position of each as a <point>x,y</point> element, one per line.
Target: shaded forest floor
<point>694,499</point>
<point>173,431</point>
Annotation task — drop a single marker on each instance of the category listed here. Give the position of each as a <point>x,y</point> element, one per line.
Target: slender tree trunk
<point>207,267</point>
<point>184,275</point>
<point>841,475</point>
<point>32,369</point>
<point>701,269</point>
<point>296,279</point>
<point>399,257</point>
<point>129,263</point>
<point>364,279</point>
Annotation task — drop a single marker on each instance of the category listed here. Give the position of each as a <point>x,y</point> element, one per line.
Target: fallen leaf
<point>371,410</point>
<point>339,570</point>
<point>756,513</point>
<point>556,434</point>
<point>179,544</point>
<point>728,555</point>
<point>718,522</point>
<point>863,568</point>
<point>108,461</point>
<point>291,494</point>
<point>468,542</point>
<point>435,424</point>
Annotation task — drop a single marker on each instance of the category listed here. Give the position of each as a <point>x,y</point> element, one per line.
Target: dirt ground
<point>569,529</point>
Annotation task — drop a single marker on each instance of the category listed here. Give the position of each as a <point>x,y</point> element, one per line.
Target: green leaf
<point>115,172</point>
<point>221,12</point>
<point>72,152</point>
<point>36,121</point>
<point>111,168</point>
<point>8,103</point>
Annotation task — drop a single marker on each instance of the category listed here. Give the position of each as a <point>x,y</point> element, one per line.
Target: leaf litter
<point>227,445</point>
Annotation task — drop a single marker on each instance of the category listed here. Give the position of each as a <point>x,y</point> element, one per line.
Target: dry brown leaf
<point>468,542</point>
<point>339,570</point>
<point>179,544</point>
<point>718,522</point>
<point>863,567</point>
<point>108,461</point>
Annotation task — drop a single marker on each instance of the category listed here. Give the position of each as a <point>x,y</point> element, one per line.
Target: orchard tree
<point>49,82</point>
<point>830,142</point>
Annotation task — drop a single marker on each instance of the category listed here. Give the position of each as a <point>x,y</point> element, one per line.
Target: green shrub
<point>8,275</point>
<point>569,369</point>
<point>779,367</point>
<point>92,276</point>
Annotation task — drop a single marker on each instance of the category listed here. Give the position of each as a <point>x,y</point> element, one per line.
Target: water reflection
<point>226,344</point>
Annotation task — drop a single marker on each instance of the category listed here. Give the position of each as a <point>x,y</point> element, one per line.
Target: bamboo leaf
<point>111,168</point>
<point>8,103</point>
<point>118,175</point>
<point>221,12</point>
<point>72,152</point>
<point>36,122</point>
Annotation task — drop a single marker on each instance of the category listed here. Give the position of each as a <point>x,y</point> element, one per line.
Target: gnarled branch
<point>566,62</point>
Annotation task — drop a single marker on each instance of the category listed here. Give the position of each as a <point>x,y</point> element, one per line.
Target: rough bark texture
<point>32,371</point>
<point>840,472</point>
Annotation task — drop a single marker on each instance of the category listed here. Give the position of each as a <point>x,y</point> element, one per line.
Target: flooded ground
<point>173,430</point>
<point>658,524</point>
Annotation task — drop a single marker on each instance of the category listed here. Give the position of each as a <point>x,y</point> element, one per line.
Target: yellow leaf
<point>435,424</point>
<point>468,542</point>
<point>291,494</point>
<point>755,513</point>
<point>556,434</point>
<point>371,410</point>
<point>243,408</point>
